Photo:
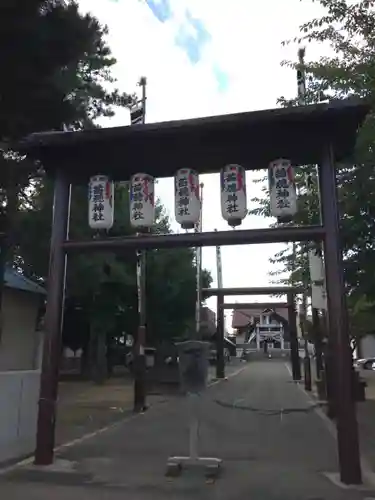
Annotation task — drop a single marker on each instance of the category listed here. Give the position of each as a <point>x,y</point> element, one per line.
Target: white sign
<point>101,202</point>
<point>282,188</point>
<point>142,200</point>
<point>316,265</point>
<point>187,202</point>
<point>318,296</point>
<point>233,194</point>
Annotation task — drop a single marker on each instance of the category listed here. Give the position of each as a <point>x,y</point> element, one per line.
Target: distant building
<point>258,326</point>
<point>242,318</point>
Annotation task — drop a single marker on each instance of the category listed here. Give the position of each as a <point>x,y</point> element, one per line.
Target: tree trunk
<point>7,226</point>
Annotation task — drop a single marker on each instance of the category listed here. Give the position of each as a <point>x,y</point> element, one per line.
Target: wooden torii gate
<point>319,134</point>
<point>289,291</point>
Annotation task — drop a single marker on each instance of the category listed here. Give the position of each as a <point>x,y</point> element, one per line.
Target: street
<point>273,444</point>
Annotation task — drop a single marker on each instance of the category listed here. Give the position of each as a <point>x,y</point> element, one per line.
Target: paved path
<point>266,457</point>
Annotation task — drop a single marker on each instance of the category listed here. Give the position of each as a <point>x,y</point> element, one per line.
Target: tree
<point>103,286</point>
<point>56,72</point>
<point>348,29</point>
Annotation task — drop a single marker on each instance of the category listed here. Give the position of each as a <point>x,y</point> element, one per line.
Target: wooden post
<point>347,428</point>
<point>220,361</point>
<point>45,438</point>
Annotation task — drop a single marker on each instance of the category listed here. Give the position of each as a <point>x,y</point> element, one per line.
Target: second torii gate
<point>289,291</point>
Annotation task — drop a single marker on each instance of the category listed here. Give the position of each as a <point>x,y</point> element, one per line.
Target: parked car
<point>364,363</point>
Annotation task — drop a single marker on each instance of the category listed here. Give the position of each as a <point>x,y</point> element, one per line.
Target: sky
<point>204,58</point>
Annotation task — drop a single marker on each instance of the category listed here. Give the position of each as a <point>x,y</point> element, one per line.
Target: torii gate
<point>289,291</point>
<point>319,134</point>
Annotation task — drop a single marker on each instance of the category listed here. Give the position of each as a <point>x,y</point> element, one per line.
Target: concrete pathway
<point>267,454</point>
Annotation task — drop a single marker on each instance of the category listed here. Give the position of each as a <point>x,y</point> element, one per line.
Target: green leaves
<point>348,28</point>
<point>105,284</point>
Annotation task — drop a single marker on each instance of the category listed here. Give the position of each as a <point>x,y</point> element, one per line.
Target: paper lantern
<point>282,188</point>
<point>233,194</point>
<point>142,201</point>
<point>101,202</point>
<point>187,200</point>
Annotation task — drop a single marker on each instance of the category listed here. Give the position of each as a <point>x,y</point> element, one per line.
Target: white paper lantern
<point>142,201</point>
<point>187,202</point>
<point>282,188</point>
<point>101,202</point>
<point>233,194</point>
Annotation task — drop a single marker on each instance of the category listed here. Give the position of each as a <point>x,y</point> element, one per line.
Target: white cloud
<point>246,44</point>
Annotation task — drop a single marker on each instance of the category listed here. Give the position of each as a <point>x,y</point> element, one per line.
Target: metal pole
<point>140,359</point>
<point>193,401</point>
<point>301,92</point>
<point>45,438</point>
<point>347,428</point>
<point>198,263</point>
<point>315,313</point>
<point>220,361</point>
<point>306,359</point>
<point>324,349</point>
<point>294,353</point>
<point>318,343</point>
<point>219,267</point>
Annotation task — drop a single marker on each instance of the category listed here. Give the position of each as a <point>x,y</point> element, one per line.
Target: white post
<point>193,426</point>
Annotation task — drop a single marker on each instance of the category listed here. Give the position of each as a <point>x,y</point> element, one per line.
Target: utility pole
<point>294,353</point>
<point>138,116</point>
<point>219,267</point>
<point>318,343</point>
<point>198,263</point>
<point>220,361</point>
<point>301,89</point>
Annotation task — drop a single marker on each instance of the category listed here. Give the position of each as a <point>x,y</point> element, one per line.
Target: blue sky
<point>191,35</point>
<point>202,58</point>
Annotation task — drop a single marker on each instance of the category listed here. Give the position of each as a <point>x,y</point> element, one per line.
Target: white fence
<point>19,393</point>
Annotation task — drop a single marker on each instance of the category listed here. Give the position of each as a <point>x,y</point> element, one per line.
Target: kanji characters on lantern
<point>282,188</point>
<point>233,194</point>
<point>101,202</point>
<point>187,200</point>
<point>142,201</point>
